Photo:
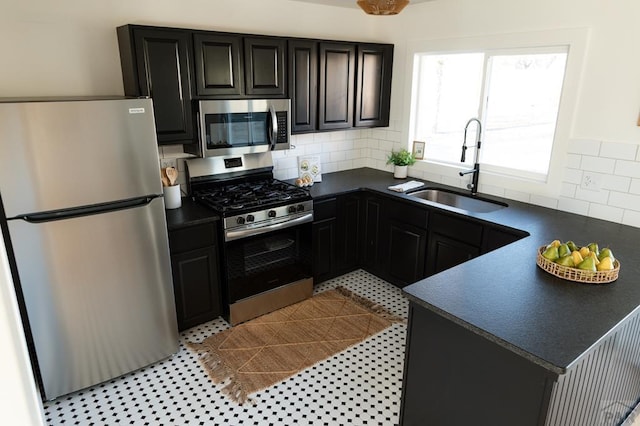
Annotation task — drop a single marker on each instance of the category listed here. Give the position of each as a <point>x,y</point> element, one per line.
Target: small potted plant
<point>401,161</point>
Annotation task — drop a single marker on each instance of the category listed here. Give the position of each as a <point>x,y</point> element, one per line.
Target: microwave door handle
<point>273,137</point>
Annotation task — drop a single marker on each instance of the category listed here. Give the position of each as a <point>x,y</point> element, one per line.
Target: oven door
<point>264,262</point>
<point>233,127</point>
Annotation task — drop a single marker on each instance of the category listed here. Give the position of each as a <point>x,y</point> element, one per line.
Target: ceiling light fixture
<point>382,7</point>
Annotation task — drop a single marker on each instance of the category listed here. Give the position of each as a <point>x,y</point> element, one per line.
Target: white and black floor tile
<point>360,386</point>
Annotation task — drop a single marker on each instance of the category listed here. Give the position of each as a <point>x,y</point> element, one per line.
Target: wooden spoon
<point>172,174</point>
<point>164,178</point>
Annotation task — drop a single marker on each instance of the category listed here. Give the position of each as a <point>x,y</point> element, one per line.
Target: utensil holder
<point>172,197</point>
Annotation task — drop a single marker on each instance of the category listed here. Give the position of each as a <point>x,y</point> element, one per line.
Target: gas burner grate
<point>250,195</point>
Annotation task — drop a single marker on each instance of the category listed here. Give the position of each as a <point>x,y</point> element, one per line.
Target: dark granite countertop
<point>189,214</point>
<point>504,296</point>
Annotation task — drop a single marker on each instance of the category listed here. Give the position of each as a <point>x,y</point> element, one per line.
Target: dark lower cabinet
<point>156,62</point>
<point>373,251</point>
<point>407,252</point>
<point>196,274</point>
<point>336,236</point>
<point>446,252</point>
<point>453,376</point>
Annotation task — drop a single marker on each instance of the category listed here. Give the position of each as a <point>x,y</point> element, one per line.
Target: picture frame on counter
<point>418,150</point>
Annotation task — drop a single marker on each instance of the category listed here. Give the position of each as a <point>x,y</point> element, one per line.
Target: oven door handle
<point>243,233</point>
<point>274,127</point>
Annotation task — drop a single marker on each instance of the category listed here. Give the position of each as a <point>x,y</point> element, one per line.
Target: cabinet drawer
<point>460,229</point>
<point>406,213</point>
<point>192,237</point>
<point>325,209</point>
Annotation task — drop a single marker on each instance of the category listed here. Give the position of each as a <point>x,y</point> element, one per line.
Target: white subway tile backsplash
<point>338,155</point>
<point>568,190</point>
<point>631,218</point>
<point>543,201</point>
<point>628,168</point>
<point>572,205</point>
<point>634,188</point>
<point>622,151</point>
<point>517,195</point>
<point>615,183</point>
<point>597,164</point>
<point>600,211</point>
<point>625,200</point>
<point>573,176</point>
<point>573,161</point>
<point>584,146</point>
<point>592,196</point>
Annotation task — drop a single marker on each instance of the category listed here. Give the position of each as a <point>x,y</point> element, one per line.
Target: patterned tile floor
<point>360,386</point>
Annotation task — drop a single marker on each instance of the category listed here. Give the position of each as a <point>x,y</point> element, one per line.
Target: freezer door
<point>98,294</point>
<point>76,153</point>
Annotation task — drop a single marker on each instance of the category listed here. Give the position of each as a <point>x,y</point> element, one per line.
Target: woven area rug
<point>259,353</point>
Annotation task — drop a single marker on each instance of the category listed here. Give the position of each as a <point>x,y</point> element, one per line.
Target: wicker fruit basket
<point>575,274</point>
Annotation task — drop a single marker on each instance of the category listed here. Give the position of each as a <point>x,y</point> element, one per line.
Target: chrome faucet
<point>473,186</point>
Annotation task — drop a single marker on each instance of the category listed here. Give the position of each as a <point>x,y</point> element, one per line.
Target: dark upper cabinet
<point>373,85</point>
<point>218,64</point>
<point>303,85</point>
<point>265,71</point>
<point>156,62</point>
<point>336,86</point>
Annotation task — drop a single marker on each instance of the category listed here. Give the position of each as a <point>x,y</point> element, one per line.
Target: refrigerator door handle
<point>85,210</point>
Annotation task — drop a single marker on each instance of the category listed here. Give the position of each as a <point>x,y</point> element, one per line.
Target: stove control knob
<point>292,209</point>
<point>300,207</point>
<point>272,213</point>
<point>250,218</point>
<point>240,220</point>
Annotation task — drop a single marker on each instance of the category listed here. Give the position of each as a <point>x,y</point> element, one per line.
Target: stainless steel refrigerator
<point>82,201</point>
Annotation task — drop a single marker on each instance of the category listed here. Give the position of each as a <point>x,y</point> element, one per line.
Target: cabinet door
<point>324,261</point>
<point>264,66</point>
<point>348,238</point>
<point>407,248</point>
<point>218,63</point>
<point>371,227</point>
<point>162,70</point>
<point>337,67</point>
<point>303,85</point>
<point>446,252</point>
<point>196,286</point>
<point>373,86</point>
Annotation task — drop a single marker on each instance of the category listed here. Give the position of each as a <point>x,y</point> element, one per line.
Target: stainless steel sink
<point>458,200</point>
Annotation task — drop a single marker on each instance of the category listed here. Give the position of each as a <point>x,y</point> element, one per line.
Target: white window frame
<point>491,179</point>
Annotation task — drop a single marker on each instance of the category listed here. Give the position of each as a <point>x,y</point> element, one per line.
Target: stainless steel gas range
<point>265,228</point>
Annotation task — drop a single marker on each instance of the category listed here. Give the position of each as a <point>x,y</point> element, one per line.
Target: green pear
<point>565,261</point>
<point>551,253</point>
<point>606,252</point>
<point>594,248</point>
<point>589,264</point>
<point>572,246</point>
<point>564,250</point>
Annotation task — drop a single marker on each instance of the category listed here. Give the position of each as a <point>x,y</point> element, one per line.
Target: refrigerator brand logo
<point>136,110</point>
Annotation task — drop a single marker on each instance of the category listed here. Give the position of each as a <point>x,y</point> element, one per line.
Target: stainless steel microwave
<point>243,126</point>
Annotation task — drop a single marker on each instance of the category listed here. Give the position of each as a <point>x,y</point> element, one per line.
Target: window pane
<point>522,108</point>
<point>448,94</point>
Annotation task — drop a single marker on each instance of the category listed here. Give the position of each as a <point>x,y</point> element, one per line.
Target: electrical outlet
<point>590,182</point>
<point>168,162</point>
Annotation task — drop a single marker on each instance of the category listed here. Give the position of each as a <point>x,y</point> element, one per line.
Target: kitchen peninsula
<point>496,340</point>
